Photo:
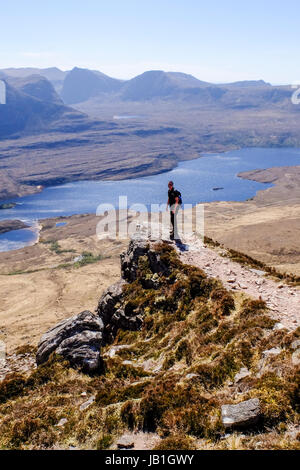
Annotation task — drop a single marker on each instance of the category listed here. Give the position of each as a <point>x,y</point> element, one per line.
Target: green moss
<point>223,301</point>
<point>16,384</point>
<point>25,349</point>
<point>184,351</point>
<point>211,242</point>
<point>196,326</point>
<point>51,370</point>
<point>115,392</point>
<point>280,397</point>
<point>115,367</point>
<point>56,248</point>
<point>12,386</point>
<point>176,442</point>
<point>87,258</point>
<point>104,442</point>
<point>215,373</point>
<point>130,415</point>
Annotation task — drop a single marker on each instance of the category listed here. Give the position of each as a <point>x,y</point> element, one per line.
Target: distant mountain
<point>86,86</point>
<point>159,84</point>
<point>82,84</point>
<point>37,87</point>
<point>53,74</point>
<point>249,84</point>
<point>264,96</point>
<point>33,106</point>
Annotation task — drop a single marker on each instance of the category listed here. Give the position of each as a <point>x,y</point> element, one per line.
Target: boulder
<point>242,415</point>
<point>78,339</point>
<point>115,313</point>
<point>109,301</point>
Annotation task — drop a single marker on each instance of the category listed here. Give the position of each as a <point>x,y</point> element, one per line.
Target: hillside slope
<point>194,349</point>
<point>53,74</point>
<point>32,107</point>
<point>82,84</point>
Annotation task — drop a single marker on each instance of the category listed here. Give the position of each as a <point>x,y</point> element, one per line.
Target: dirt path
<point>282,300</point>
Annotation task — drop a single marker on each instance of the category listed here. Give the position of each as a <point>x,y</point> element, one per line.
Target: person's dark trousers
<point>173,220</point>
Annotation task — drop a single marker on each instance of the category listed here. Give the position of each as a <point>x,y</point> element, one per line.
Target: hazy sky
<point>215,40</point>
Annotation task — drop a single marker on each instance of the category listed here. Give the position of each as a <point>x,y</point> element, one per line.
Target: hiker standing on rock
<point>174,202</point>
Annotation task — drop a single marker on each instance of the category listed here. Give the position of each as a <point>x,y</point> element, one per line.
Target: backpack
<point>178,194</point>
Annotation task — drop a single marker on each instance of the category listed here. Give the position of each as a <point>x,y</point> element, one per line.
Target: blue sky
<point>215,40</point>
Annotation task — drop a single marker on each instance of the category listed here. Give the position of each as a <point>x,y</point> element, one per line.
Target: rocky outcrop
<point>242,415</point>
<point>110,301</point>
<point>78,339</point>
<point>130,260</point>
<point>112,308</point>
<point>116,313</point>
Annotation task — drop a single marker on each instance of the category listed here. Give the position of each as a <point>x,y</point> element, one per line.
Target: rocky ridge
<point>80,338</point>
<point>169,350</point>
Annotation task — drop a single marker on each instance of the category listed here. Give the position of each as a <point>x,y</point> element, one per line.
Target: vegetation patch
<point>171,378</point>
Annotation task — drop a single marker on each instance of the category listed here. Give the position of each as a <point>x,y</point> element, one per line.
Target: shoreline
<point>274,175</point>
<point>27,190</point>
<point>7,226</point>
<point>23,190</point>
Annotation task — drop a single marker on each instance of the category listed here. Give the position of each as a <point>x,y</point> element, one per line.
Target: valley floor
<point>42,284</point>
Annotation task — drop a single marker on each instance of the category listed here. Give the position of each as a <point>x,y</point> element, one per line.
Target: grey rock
<point>110,301</point>
<point>242,374</point>
<point>295,344</point>
<point>278,327</point>
<point>116,314</point>
<point>61,423</point>
<point>242,286</point>
<point>242,415</point>
<point>130,260</point>
<point>258,272</point>
<point>87,403</point>
<point>114,349</point>
<point>271,352</point>
<point>83,350</point>
<point>78,339</point>
<point>128,363</point>
<point>296,357</point>
<point>191,376</point>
